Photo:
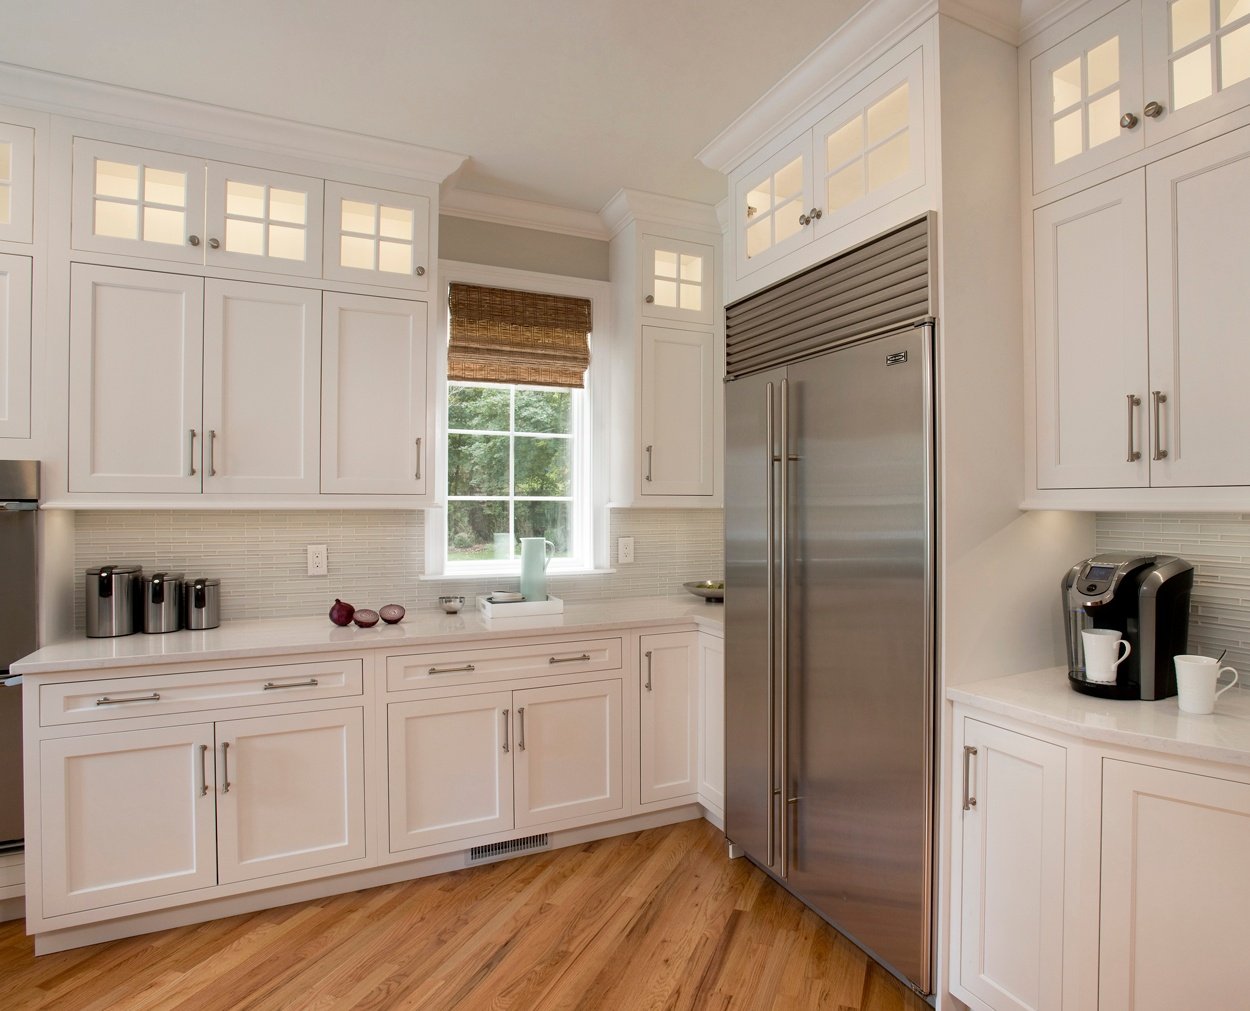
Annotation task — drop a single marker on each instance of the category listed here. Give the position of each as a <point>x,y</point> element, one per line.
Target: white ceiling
<point>560,101</point>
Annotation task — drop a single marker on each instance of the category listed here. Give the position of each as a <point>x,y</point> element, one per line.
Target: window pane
<point>160,186</point>
<point>477,465</point>
<point>117,221</point>
<point>1191,20</point>
<point>787,221</point>
<point>845,143</point>
<point>546,519</point>
<point>1103,65</point>
<point>888,116</point>
<point>245,237</point>
<point>5,212</point>
<point>356,252</point>
<point>691,268</point>
<point>666,293</point>
<point>245,199</point>
<point>759,237</point>
<point>1191,78</point>
<point>160,225</point>
<point>1068,139</point>
<point>665,263</point>
<point>544,411</point>
<point>6,160</point>
<point>1065,85</point>
<point>889,162</point>
<point>691,297</point>
<point>543,466</point>
<point>396,222</point>
<point>760,198</point>
<point>288,205</point>
<point>113,179</point>
<point>478,408</point>
<point>286,243</point>
<point>1235,57</point>
<point>846,186</point>
<point>395,257</point>
<point>1233,10</point>
<point>360,217</point>
<point>477,531</point>
<point>789,181</point>
<point>1104,119</point>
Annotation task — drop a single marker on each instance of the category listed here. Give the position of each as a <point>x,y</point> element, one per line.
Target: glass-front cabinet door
<point>871,149</point>
<point>1087,98</point>
<point>263,220</point>
<point>17,176</point>
<point>771,203</point>
<point>377,236</point>
<point>1197,61</point>
<point>677,280</point>
<point>133,201</point>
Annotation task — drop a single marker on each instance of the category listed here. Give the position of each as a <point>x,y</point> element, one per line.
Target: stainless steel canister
<point>202,603</point>
<point>114,600</point>
<point>162,602</point>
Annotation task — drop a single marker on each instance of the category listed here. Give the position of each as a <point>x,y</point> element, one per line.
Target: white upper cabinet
<point>262,388</point>
<point>263,220</point>
<point>374,404</point>
<point>678,413</point>
<point>377,237</point>
<point>1087,98</point>
<point>677,280</point>
<point>138,202</point>
<point>15,375</point>
<point>1197,59</point>
<point>771,204</point>
<point>17,180</point>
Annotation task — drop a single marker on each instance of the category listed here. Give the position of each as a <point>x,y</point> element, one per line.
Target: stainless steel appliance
<point>162,602</point>
<point>19,592</point>
<point>114,600</point>
<point>201,603</point>
<point>1146,599</point>
<point>829,544</point>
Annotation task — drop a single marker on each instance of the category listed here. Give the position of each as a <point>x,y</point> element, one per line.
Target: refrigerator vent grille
<point>881,285</point>
<point>502,850</point>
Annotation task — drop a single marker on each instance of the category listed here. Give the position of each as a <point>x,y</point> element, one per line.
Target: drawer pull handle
<point>969,753</point>
<point>467,668</point>
<point>106,701</point>
<point>505,731</point>
<point>203,771</point>
<point>520,715</point>
<point>271,685</point>
<point>225,767</point>
<point>569,659</point>
<point>648,684</point>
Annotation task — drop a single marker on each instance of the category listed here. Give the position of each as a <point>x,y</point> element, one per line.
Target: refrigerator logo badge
<point>898,358</point>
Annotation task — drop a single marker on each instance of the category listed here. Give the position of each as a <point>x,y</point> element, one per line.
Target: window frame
<point>592,473</point>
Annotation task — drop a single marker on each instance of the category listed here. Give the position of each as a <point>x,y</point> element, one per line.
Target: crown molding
<point>501,210</point>
<point>997,18</point>
<point>108,103</point>
<point>627,206</point>
<point>1038,15</point>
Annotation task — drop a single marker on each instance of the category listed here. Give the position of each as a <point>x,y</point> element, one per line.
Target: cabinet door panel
<point>678,280</point>
<point>568,758</point>
<point>769,198</point>
<point>17,182</point>
<point>373,396</point>
<point>450,769</point>
<point>678,387</point>
<point>126,816</point>
<point>1174,889</point>
<point>712,722</point>
<point>1091,336</point>
<point>291,793</point>
<point>136,359</point>
<point>1010,897</point>
<point>263,220</point>
<point>377,237</point>
<point>262,379</point>
<point>1199,246</point>
<point>669,700</point>
<point>15,376</point>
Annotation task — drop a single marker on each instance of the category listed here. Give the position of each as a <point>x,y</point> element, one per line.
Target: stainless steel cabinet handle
<point>505,731</point>
<point>191,454</point>
<point>420,272</point>
<point>650,454</point>
<point>452,670</point>
<point>1128,121</point>
<point>193,240</point>
<point>1134,402</point>
<point>203,771</point>
<point>106,701</point>
<point>1158,398</point>
<point>520,734</point>
<point>417,475</point>
<point>815,214</point>
<point>271,685</point>
<point>648,684</point>
<point>212,452</point>
<point>569,659</point>
<point>783,612</point>
<point>771,459</point>
<point>969,753</point>
<point>1153,110</point>
<point>225,767</point>
<point>214,243</point>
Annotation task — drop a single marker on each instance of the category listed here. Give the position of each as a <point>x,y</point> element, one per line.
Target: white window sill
<point>472,577</point>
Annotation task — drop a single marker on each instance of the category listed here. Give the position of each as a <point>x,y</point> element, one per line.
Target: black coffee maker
<point>1143,597</point>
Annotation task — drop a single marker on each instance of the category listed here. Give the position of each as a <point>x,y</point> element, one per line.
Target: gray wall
<point>521,248</point>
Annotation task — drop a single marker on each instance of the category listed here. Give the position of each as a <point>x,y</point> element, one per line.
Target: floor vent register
<point>503,850</point>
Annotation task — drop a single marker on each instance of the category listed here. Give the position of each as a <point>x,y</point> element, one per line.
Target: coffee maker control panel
<point>1096,580</point>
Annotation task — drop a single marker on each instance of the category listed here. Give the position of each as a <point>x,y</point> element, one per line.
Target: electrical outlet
<point>318,561</point>
<point>624,550</point>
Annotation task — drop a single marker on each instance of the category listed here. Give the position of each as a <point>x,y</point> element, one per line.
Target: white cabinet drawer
<point>123,698</point>
<point>470,666</point>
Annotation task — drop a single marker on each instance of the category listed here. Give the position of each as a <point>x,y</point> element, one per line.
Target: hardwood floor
<point>656,919</point>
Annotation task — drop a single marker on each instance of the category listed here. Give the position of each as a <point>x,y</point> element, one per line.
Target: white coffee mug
<point>1196,677</point>
<point>1102,653</point>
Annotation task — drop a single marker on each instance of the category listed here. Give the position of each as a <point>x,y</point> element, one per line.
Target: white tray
<point>521,609</point>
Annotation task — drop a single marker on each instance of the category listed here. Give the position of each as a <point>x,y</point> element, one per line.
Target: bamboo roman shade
<point>504,336</point>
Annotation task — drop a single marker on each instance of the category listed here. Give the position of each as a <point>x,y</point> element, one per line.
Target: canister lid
<point>121,568</point>
<point>168,577</point>
<point>203,581</point>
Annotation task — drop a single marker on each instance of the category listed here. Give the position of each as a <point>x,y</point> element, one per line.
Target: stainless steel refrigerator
<point>829,608</point>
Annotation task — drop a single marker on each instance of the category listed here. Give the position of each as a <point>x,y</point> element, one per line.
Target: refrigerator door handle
<point>770,564</point>
<point>783,620</point>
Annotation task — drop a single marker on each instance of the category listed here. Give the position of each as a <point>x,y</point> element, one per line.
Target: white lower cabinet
<point>712,722</point>
<point>1175,891</point>
<point>1009,850</point>
<point>669,715</point>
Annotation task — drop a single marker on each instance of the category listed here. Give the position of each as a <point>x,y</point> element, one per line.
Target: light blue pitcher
<point>536,555</point>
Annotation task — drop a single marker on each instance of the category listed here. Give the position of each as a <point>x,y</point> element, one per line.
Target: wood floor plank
<point>658,919</point>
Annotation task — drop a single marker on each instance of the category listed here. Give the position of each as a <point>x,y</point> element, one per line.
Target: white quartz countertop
<point>243,639</point>
<point>1045,699</point>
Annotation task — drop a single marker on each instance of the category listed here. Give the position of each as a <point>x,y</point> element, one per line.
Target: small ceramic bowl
<point>451,604</point>
<point>392,613</point>
<point>365,618</point>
